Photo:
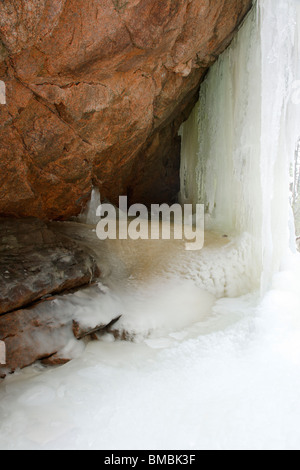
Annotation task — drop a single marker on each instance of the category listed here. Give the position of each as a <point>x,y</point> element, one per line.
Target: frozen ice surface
<point>234,385</point>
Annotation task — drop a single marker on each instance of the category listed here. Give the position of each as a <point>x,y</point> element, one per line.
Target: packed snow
<point>231,382</point>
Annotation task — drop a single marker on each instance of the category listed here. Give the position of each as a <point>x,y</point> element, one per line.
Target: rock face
<point>32,334</point>
<point>35,262</point>
<point>81,331</point>
<point>42,333</point>
<point>95,91</point>
<point>38,262</point>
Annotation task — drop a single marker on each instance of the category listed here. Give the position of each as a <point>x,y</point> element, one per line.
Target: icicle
<point>88,216</point>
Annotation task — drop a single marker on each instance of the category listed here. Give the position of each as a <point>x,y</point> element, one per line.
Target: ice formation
<point>240,140</point>
<point>218,374</point>
<point>2,92</point>
<point>89,215</point>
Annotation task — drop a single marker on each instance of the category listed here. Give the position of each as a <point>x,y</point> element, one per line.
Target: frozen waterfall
<point>220,368</point>
<point>239,143</point>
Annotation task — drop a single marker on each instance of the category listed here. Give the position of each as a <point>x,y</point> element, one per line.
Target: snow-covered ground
<point>228,381</point>
<point>235,387</point>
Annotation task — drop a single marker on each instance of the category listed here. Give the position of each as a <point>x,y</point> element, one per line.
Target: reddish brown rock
<point>96,91</point>
<point>55,360</point>
<point>81,331</point>
<point>33,334</point>
<point>43,331</point>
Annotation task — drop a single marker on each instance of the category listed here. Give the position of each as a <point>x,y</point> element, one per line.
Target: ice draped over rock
<point>239,142</point>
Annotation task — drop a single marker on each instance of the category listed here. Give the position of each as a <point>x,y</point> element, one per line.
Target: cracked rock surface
<point>36,262</point>
<point>95,93</point>
<point>42,271</point>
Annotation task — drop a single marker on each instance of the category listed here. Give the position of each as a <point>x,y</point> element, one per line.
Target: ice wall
<point>239,142</point>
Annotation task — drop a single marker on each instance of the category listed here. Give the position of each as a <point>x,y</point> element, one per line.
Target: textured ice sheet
<point>156,286</point>
<point>232,382</point>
